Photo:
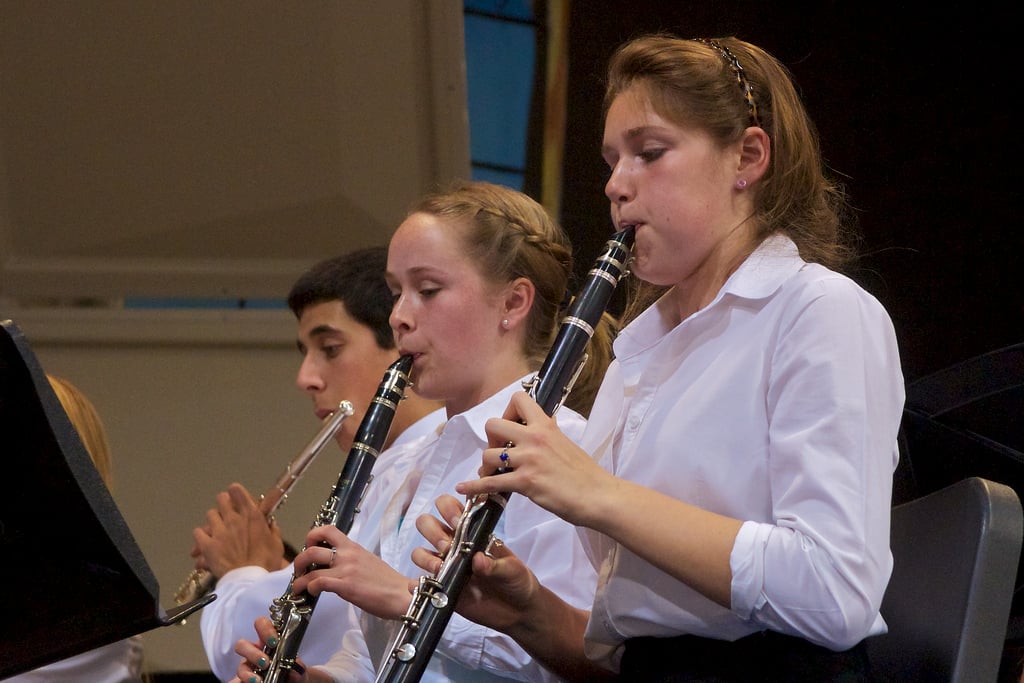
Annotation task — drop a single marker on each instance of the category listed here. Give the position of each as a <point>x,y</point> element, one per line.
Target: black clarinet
<point>291,612</point>
<point>434,599</point>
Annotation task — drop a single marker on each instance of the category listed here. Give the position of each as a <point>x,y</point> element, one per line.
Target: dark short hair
<point>356,280</point>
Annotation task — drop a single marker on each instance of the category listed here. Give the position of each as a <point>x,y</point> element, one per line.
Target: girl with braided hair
<point>479,273</point>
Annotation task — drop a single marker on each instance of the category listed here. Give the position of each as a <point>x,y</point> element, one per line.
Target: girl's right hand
<point>501,590</point>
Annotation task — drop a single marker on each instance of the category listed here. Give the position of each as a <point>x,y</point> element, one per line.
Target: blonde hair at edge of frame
<point>87,423</point>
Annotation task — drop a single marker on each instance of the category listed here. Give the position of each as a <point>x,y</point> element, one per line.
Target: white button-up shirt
<point>547,544</point>
<point>777,404</point>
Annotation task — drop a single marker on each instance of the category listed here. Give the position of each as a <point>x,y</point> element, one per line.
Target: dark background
<point>916,112</point>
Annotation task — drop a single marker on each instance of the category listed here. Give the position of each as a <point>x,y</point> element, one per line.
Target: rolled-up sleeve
<point>834,398</point>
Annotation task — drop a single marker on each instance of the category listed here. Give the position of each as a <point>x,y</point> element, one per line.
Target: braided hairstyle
<point>508,235</point>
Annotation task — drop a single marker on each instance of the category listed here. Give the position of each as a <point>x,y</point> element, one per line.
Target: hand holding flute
<point>240,531</point>
<point>237,535</point>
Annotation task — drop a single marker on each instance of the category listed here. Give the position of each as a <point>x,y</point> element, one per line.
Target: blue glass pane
<point>508,179</point>
<point>518,9</point>
<point>499,81</point>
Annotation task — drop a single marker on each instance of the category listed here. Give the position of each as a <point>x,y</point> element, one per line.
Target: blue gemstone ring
<point>503,457</point>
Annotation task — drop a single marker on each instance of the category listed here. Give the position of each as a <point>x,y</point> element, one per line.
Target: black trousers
<point>764,656</point>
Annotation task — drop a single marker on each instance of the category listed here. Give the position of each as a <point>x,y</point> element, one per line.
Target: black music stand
<point>72,577</point>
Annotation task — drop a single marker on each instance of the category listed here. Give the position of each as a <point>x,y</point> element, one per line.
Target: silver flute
<point>292,611</point>
<point>200,581</point>
<point>433,601</point>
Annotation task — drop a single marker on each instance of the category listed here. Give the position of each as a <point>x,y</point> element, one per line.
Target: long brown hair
<point>693,83</point>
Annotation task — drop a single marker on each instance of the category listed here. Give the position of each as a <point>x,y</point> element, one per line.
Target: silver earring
<point>504,323</point>
<point>741,183</point>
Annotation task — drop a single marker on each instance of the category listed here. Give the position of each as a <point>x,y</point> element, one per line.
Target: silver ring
<point>334,551</point>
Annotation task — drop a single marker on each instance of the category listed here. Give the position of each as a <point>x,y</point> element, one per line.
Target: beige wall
<point>216,148</point>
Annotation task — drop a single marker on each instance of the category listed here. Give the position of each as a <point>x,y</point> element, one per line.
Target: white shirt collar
<point>476,417</point>
<point>761,274</point>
